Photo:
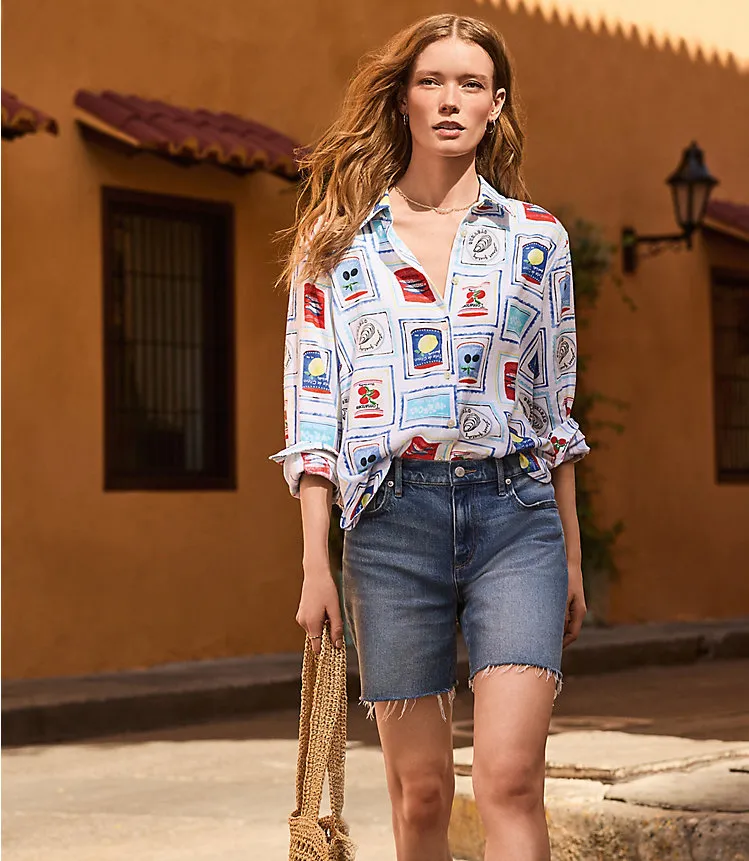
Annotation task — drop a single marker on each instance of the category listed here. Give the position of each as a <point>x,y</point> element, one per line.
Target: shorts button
<point>391,484</point>
<point>459,471</point>
<point>508,481</point>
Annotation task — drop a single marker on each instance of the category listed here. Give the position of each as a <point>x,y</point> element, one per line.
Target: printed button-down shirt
<point>378,365</point>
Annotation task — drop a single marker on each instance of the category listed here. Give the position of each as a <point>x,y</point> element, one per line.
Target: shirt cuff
<point>311,459</point>
<point>565,443</point>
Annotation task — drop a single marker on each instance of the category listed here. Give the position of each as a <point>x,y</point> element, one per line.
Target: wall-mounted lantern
<point>691,184</point>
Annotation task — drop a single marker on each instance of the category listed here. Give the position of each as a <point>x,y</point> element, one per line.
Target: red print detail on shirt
<point>414,285</point>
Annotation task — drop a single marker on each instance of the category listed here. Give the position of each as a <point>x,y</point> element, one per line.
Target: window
<point>168,342</point>
<point>731,371</point>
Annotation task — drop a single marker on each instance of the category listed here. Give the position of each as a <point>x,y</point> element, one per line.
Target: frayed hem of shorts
<point>392,705</point>
<point>520,668</point>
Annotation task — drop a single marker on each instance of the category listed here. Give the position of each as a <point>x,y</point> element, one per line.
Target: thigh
<point>400,597</point>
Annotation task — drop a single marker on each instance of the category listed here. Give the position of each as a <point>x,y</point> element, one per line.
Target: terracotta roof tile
<point>731,217</point>
<point>19,118</point>
<point>189,135</point>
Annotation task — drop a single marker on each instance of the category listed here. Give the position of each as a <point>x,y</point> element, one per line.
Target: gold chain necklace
<point>441,211</point>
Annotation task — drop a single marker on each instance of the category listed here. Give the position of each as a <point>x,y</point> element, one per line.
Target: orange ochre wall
<point>96,581</point>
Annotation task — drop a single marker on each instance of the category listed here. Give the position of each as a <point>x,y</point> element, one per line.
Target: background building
<point>142,341</point>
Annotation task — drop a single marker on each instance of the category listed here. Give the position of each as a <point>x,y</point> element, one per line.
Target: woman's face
<point>451,83</point>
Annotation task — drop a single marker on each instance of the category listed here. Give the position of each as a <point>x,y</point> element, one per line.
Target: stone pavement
<point>221,791</point>
<point>58,709</point>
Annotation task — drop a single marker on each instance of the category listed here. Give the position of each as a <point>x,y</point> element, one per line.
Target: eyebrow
<point>419,73</point>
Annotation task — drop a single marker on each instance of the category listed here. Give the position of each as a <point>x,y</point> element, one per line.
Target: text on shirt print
<point>414,285</point>
<point>533,361</point>
<point>561,296</point>
<point>530,260</point>
<point>536,410</point>
<point>565,353</point>
<point>432,406</point>
<point>426,346</point>
<point>314,305</point>
<point>362,453</point>
<point>477,298</point>
<point>534,212</point>
<point>472,354</point>
<point>289,415</point>
<point>372,334</point>
<point>316,366</point>
<point>352,281</point>
<point>518,316</point>
<point>483,245</point>
<point>371,398</point>
<point>478,421</point>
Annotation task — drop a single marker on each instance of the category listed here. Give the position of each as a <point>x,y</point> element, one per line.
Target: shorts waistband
<point>455,472</point>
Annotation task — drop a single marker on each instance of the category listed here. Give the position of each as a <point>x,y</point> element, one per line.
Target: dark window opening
<point>730,307</point>
<point>168,343</point>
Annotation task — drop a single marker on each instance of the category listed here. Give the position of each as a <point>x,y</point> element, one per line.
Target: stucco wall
<point>96,581</point>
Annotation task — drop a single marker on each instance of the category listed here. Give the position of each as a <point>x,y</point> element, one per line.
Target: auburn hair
<point>368,147</point>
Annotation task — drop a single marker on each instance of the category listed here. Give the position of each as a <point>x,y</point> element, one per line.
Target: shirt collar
<point>490,200</point>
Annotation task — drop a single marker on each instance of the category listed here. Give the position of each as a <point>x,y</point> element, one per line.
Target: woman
<point>429,378</point>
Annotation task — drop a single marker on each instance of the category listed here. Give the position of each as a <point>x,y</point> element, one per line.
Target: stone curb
<point>44,711</point>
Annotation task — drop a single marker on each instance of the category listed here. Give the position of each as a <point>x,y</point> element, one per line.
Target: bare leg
<point>512,710</point>
<point>417,744</point>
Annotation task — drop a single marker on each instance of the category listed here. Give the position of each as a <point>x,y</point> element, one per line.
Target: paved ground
<point>222,791</point>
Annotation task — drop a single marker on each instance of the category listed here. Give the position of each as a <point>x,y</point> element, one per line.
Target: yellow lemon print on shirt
<point>535,257</point>
<point>316,367</point>
<point>427,343</point>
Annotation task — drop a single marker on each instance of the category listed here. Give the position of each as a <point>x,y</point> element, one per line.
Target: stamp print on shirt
<point>477,298</point>
<point>534,212</point>
<point>533,360</point>
<point>472,357</point>
<point>483,245</point>
<point>478,421</point>
<point>414,286</point>
<point>530,260</point>
<point>561,296</point>
<point>363,453</point>
<point>316,366</point>
<point>565,353</point>
<point>518,316</point>
<point>371,398</point>
<point>426,347</point>
<point>430,407</point>
<point>352,281</point>
<point>506,377</point>
<point>372,334</point>
<point>314,305</point>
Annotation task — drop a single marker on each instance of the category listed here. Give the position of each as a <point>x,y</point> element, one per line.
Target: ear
<point>499,101</point>
<point>401,100</point>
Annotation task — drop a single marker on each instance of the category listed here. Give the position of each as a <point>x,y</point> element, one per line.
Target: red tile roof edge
<point>725,213</point>
<point>21,118</point>
<point>225,139</point>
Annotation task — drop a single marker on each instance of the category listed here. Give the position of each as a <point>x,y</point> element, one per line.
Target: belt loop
<point>499,463</point>
<point>398,463</point>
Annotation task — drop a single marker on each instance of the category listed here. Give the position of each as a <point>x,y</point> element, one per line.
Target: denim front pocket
<point>531,494</point>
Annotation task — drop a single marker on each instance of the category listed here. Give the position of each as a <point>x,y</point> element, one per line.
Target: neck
<point>439,181</point>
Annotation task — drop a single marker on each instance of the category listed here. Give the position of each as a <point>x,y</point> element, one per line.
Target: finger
<point>315,637</point>
<point>336,626</point>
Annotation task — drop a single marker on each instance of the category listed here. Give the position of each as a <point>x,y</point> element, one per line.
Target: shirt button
<point>447,375</point>
<point>459,471</point>
<point>451,423</point>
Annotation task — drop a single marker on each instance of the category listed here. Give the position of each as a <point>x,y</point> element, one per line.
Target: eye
<point>480,86</point>
<point>427,81</point>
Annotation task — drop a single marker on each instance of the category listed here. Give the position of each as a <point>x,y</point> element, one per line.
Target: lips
<point>457,126</point>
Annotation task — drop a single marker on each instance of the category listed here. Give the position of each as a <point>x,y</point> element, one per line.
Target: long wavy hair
<point>368,147</point>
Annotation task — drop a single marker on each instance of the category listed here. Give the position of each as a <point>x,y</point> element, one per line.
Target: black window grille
<point>169,342</point>
<point>730,307</point>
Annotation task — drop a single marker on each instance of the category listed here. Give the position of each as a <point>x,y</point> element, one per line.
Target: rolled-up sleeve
<point>312,423</point>
<point>554,387</point>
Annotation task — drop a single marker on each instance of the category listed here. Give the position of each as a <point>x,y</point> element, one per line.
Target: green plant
<point>592,258</point>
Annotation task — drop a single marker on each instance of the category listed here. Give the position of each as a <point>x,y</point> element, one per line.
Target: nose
<point>450,99</point>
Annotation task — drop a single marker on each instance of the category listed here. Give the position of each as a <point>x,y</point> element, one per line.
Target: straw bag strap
<point>322,728</point>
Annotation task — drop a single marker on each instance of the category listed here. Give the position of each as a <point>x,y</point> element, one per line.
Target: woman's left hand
<point>576,608</point>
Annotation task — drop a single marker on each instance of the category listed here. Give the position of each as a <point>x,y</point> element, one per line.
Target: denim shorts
<point>471,543</point>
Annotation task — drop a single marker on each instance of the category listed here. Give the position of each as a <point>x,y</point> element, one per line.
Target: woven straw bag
<point>322,747</point>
